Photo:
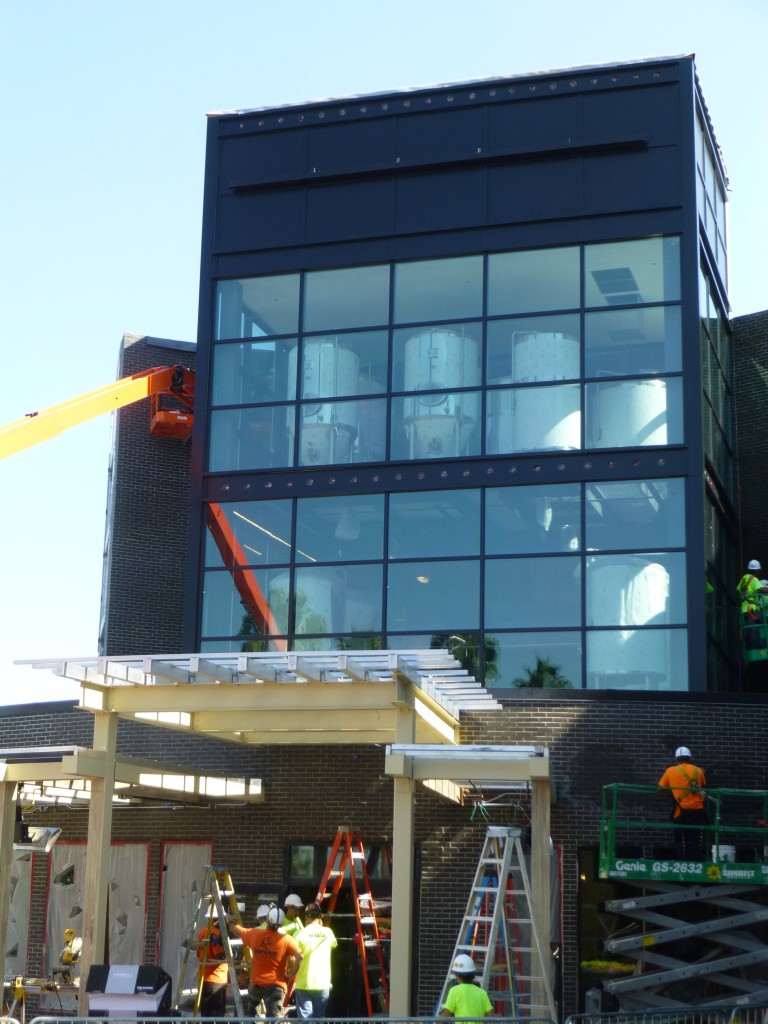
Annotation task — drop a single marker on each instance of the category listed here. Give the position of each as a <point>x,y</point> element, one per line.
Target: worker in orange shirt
<point>213,972</point>
<point>275,959</point>
<point>686,782</point>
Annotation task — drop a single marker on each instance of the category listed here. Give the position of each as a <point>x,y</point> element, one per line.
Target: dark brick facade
<point>593,739</point>
<point>147,515</point>
<point>751,401</point>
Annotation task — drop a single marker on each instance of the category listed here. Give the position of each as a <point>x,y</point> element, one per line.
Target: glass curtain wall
<point>566,349</point>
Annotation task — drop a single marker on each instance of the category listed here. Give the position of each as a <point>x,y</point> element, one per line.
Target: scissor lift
<point>696,930</point>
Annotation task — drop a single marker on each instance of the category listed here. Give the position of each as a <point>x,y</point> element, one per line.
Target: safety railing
<point>110,1019</point>
<point>730,1014</point>
<point>735,836</point>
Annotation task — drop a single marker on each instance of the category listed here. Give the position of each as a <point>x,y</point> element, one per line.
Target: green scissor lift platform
<point>737,821</point>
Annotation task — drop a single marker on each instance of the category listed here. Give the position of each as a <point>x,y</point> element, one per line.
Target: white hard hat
<point>682,752</point>
<point>463,964</point>
<point>754,566</point>
<point>263,910</point>
<point>293,901</point>
<point>275,917</point>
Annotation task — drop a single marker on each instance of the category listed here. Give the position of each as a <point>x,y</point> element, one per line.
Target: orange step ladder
<point>348,858</point>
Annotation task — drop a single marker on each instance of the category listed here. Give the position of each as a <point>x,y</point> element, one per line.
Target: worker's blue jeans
<point>311,1002</point>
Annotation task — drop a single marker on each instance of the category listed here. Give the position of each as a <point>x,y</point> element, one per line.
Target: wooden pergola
<point>409,701</point>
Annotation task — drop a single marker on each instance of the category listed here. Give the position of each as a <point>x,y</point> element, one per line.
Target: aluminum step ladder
<point>217,896</point>
<point>499,933</point>
<point>348,859</point>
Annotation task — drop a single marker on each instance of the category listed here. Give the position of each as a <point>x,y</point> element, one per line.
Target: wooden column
<point>541,884</point>
<point>97,852</point>
<point>7,823</point>
<point>400,957</point>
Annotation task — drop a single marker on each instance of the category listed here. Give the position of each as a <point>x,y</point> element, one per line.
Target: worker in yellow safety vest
<point>750,590</point>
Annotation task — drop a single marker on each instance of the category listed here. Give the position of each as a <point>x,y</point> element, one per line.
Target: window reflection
<point>520,520</point>
<point>248,533</point>
<point>253,372</point>
<point>254,438</point>
<point>244,603</point>
<point>351,297</point>
<point>524,282</point>
<point>537,661</point>
<point>636,590</point>
<point>534,419</point>
<point>637,659</point>
<point>632,341</point>
<point>449,289</point>
<point>258,306</point>
<point>642,514</point>
<point>532,592</point>
<point>434,523</point>
<point>630,413</point>
<point>428,595</point>
<point>344,599</point>
<point>340,529</point>
<point>631,273</point>
<point>436,426</point>
<point>534,348</point>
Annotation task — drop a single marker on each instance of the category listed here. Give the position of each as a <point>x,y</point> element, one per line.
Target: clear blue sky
<point>101,183</point>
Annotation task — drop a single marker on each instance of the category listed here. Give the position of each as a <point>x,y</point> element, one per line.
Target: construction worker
<point>261,915</point>
<point>686,782</point>
<point>275,959</point>
<point>214,970</point>
<point>293,923</point>
<point>750,588</point>
<point>466,998</point>
<point>313,982</point>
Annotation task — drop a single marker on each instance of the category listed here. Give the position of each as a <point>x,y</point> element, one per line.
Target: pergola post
<point>541,871</point>
<point>7,824</point>
<point>98,852</point>
<point>402,877</point>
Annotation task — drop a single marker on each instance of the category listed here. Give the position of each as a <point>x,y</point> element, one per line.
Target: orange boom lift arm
<point>171,391</point>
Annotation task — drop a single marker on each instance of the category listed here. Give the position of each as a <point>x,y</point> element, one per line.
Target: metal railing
<point>172,1015</point>
<point>730,1014</point>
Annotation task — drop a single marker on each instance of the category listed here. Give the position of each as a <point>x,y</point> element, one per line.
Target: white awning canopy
<point>283,698</point>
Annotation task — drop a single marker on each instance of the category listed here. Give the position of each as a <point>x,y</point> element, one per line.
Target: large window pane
<point>529,593</point>
<point>251,372</point>
<point>534,348</point>
<point>257,306</point>
<point>439,289</point>
<point>642,514</point>
<point>431,524</point>
<point>244,602</point>
<point>534,660</point>
<point>637,659</point>
<point>340,529</point>
<point>248,533</point>
<point>353,297</point>
<point>524,282</point>
<point>346,599</point>
<point>636,590</point>
<point>433,596</point>
<point>344,364</point>
<point>632,341</point>
<point>250,438</point>
<point>630,413</point>
<point>436,426</point>
<point>329,432</point>
<point>632,273</point>
<point>519,520</point>
<point>534,419</point>
<point>437,358</point>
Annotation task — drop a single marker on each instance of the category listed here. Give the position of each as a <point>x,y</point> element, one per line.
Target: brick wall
<point>751,401</point>
<point>147,519</point>
<point>311,790</point>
